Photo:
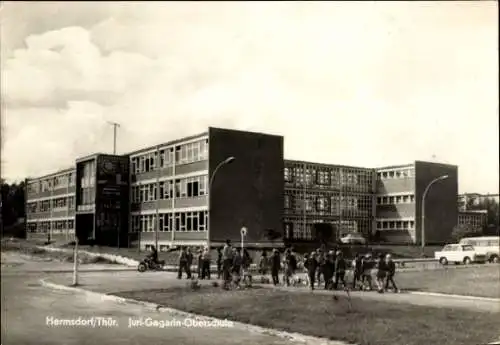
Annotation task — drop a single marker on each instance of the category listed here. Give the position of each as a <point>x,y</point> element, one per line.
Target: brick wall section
<point>441,202</point>
<point>248,192</point>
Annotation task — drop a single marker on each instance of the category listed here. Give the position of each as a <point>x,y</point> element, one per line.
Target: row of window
<point>178,221</point>
<point>51,183</point>
<point>58,226</point>
<point>396,225</point>
<point>188,187</point>
<point>326,178</point>
<point>54,204</point>
<point>335,205</point>
<point>398,199</point>
<point>181,154</point>
<point>476,221</point>
<point>395,174</point>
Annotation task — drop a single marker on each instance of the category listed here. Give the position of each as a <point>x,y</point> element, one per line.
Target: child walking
<point>380,273</point>
<point>391,271</point>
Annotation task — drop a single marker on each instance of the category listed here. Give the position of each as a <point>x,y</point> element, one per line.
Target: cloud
<point>65,64</point>
<point>366,84</point>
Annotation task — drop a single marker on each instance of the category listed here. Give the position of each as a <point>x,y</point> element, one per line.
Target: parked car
<point>485,245</point>
<point>459,253</point>
<point>353,239</point>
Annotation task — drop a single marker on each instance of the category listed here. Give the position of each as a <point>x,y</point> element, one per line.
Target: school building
<point>477,219</point>
<point>204,188</point>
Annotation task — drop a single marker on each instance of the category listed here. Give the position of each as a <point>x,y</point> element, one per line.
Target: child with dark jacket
<point>328,269</point>
<point>311,265</point>
<point>275,266</point>
<point>367,266</point>
<point>199,258</point>
<point>219,263</point>
<point>357,271</point>
<point>391,271</point>
<point>340,268</point>
<point>321,258</point>
<point>205,261</point>
<point>263,263</point>
<point>236,267</point>
<point>381,273</point>
<point>183,264</point>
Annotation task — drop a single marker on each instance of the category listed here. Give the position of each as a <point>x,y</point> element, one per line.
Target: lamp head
<point>229,160</point>
<point>444,177</point>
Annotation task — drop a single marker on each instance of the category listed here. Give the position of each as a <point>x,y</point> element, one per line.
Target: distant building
<point>477,219</point>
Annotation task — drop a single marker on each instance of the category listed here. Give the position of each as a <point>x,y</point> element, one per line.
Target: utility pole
<point>115,125</point>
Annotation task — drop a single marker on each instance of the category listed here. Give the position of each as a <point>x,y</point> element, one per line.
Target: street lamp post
<point>422,226</point>
<point>228,160</point>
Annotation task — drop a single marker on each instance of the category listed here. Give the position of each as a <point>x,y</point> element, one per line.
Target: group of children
<point>330,268</point>
<point>315,269</point>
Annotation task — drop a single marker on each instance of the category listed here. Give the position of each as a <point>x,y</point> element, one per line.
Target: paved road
<point>26,306</point>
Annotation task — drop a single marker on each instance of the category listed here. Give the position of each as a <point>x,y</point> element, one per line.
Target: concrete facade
<point>400,192</point>
<point>339,197</point>
<point>50,206</point>
<point>162,196</point>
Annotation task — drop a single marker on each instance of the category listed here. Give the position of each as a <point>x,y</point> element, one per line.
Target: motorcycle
<point>149,265</point>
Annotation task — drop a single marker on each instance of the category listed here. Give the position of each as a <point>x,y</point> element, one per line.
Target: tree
<point>493,215</point>
<point>12,204</point>
<point>465,230</point>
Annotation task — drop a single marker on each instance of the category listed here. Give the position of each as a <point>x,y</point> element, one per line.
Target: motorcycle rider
<point>153,256</point>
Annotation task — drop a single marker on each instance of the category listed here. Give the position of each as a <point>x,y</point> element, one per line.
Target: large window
<point>323,177</point>
<point>191,221</point>
<point>32,208</point>
<point>396,225</point>
<point>191,152</point>
<point>191,187</point>
<point>400,173</point>
<point>44,206</point>
<point>322,204</point>
<point>34,188</point>
<point>166,189</point>
<point>32,227</point>
<point>59,203</point>
<point>396,199</point>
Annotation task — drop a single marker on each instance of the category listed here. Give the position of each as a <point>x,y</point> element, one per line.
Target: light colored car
<point>485,245</point>
<point>353,239</point>
<point>459,253</point>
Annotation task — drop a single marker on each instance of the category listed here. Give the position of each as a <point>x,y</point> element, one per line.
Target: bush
<point>465,230</point>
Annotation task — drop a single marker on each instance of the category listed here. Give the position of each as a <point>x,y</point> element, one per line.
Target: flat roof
<point>293,161</point>
<point>399,166</point>
<point>90,156</point>
<point>59,172</point>
<point>168,143</point>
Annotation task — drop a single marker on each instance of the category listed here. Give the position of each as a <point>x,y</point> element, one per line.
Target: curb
<point>437,294</point>
<point>294,337</point>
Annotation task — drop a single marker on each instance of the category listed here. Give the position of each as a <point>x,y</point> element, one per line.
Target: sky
<point>353,83</point>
